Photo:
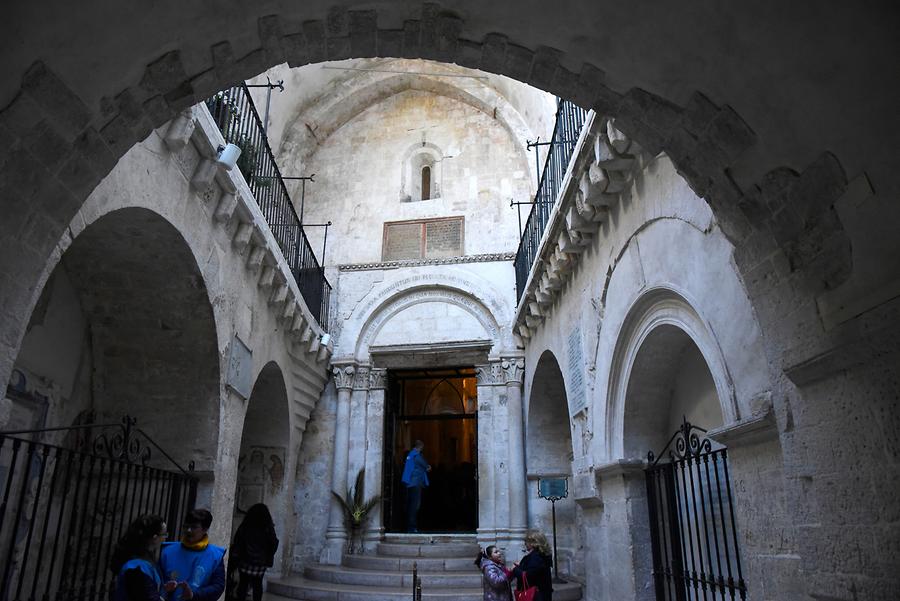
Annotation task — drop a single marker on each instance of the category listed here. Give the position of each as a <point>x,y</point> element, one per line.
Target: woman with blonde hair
<point>535,566</point>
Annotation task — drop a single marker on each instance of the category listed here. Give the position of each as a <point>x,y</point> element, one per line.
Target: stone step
<point>421,538</point>
<point>305,589</point>
<point>430,580</point>
<point>437,549</point>
<point>405,564</point>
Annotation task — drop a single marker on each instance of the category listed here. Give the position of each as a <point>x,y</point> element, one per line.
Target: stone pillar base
<point>371,538</point>
<point>333,551</point>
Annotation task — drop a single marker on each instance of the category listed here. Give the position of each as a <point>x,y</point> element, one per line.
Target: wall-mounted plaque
<point>423,239</point>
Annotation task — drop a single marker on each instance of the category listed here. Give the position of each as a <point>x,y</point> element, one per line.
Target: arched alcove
<point>548,454</point>
<point>669,381</point>
<point>265,443</point>
<point>124,326</point>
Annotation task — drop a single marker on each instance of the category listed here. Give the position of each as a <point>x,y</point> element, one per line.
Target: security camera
<point>227,156</point>
<point>326,338</point>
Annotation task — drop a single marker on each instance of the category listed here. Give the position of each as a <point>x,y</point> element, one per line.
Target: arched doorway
<point>548,454</point>
<point>265,443</point>
<point>671,403</point>
<point>123,326</point>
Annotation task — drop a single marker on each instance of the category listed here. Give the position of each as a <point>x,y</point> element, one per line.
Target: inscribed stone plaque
<point>553,488</point>
<point>444,238</point>
<point>402,241</point>
<point>576,371</point>
<point>240,368</point>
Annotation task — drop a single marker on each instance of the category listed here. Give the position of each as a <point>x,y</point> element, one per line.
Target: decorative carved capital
<point>489,375</point>
<point>377,379</point>
<point>361,379</point>
<point>343,376</point>
<point>513,370</point>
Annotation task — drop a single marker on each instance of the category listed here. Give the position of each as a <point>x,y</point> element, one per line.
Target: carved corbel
<point>180,130</point>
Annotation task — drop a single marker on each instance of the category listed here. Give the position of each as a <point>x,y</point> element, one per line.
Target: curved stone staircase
<point>444,565</point>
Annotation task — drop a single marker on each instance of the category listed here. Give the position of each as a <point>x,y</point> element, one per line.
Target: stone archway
<point>125,325</point>
<point>93,112</point>
<point>548,454</point>
<point>264,453</point>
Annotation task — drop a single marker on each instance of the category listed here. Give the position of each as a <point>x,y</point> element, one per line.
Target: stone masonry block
<point>493,52</point>
<point>46,145</point>
<point>223,62</point>
<point>653,110</point>
<point>269,29</point>
<point>158,110</point>
<point>448,30</point>
<point>699,111</point>
<point>203,175</point>
<point>411,30</point>
<point>252,63</point>
<point>729,133</point>
<point>78,176</point>
<point>544,66</point>
<point>518,62</point>
<point>314,32</point>
<point>337,49</point>
<point>21,115</point>
<point>295,51</point>
<point>91,146</point>
<point>58,102</point>
<point>337,22</point>
<point>363,32</point>
<point>819,186</point>
<point>389,43</point>
<point>428,31</point>
<point>166,76</point>
<point>565,85</point>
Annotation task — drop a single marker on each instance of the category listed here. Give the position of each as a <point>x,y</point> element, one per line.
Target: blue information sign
<point>553,488</point>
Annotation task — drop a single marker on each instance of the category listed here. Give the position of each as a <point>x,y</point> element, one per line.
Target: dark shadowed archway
<point>548,453</point>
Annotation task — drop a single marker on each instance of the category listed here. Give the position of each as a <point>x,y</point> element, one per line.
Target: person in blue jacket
<point>193,568</point>
<point>415,477</point>
<point>133,560</point>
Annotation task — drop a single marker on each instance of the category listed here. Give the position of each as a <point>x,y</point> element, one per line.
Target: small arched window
<point>426,182</point>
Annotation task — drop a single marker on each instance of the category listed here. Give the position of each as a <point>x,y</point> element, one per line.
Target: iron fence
<point>235,115</point>
<point>64,506</point>
<point>692,527</point>
<point>569,121</point>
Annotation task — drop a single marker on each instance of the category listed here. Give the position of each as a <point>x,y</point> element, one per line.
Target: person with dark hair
<point>193,568</point>
<point>415,478</point>
<point>535,566</point>
<point>133,560</point>
<point>495,577</point>
<point>254,549</point>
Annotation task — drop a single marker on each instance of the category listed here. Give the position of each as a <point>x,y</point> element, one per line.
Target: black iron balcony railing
<point>234,113</point>
<point>569,121</point>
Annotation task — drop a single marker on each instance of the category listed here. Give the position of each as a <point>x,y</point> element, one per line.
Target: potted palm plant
<point>356,510</point>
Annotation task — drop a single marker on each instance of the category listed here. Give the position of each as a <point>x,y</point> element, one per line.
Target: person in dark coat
<point>536,565</point>
<point>254,549</point>
<point>134,560</point>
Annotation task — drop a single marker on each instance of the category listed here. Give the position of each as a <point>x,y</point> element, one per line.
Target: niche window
<point>421,173</point>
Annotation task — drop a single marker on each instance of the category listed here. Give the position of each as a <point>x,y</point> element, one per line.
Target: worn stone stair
<point>444,565</point>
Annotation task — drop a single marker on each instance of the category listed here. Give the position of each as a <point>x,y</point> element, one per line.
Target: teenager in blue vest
<point>415,477</point>
<point>193,568</point>
<point>134,560</point>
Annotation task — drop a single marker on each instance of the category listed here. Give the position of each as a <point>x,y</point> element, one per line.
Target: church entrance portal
<point>438,407</point>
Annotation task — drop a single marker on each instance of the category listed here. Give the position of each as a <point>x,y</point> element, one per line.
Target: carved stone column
<point>513,375</point>
<point>336,533</point>
<point>490,466</point>
<point>375,453</point>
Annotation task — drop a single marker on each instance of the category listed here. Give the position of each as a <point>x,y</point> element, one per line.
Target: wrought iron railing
<point>693,531</point>
<point>235,114</point>
<point>569,121</point>
<point>62,507</point>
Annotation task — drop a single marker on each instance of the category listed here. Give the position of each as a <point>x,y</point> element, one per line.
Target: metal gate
<point>692,527</point>
<point>64,506</point>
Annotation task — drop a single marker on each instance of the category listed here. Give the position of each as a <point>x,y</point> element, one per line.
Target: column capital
<point>361,379</point>
<point>490,374</point>
<point>513,370</point>
<point>377,379</point>
<point>343,375</point>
